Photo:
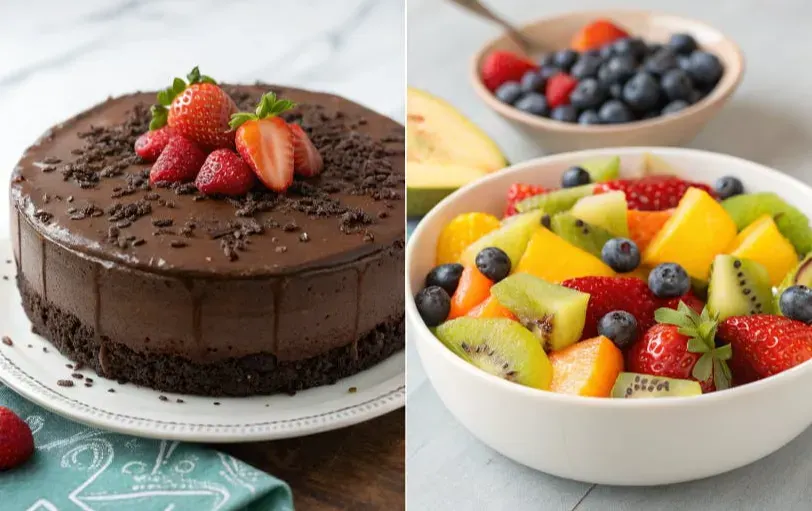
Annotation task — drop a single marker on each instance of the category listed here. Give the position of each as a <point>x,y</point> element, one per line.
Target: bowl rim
<point>421,330</point>
<point>717,96</point>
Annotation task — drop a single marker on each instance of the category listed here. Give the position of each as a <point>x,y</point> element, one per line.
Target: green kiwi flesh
<point>794,225</point>
<point>512,237</point>
<point>801,275</point>
<point>501,347</point>
<point>738,287</point>
<point>555,201</point>
<point>607,210</point>
<point>583,235</point>
<point>635,386</point>
<point>602,169</point>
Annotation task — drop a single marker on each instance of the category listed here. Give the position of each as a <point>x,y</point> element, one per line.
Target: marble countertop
<point>767,121</point>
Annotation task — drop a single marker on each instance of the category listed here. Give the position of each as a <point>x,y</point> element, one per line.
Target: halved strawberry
<point>307,160</point>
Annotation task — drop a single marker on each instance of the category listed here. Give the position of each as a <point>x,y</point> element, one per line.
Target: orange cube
<point>587,368</point>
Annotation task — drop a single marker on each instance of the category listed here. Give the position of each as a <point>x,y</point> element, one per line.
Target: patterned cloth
<point>78,468</point>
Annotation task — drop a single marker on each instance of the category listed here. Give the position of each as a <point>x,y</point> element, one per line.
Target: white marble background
<point>59,57</point>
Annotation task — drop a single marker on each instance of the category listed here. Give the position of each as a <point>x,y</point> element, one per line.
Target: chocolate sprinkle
<point>64,383</point>
<point>78,376</point>
<point>163,398</point>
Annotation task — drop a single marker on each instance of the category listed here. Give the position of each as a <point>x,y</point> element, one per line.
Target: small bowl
<point>555,33</point>
<point>600,440</point>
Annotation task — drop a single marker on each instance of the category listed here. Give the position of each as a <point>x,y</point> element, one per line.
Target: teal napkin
<point>76,467</point>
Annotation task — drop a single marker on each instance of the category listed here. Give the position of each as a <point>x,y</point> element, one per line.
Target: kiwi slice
<point>794,225</point>
<point>738,287</point>
<point>801,275</point>
<point>555,201</point>
<point>602,169</point>
<point>635,385</point>
<point>500,347</point>
<point>583,235</point>
<point>554,314</point>
<point>607,210</point>
<point>511,237</point>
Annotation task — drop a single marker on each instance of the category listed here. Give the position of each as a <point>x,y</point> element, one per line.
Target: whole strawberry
<point>179,162</point>
<point>517,193</point>
<point>199,111</point>
<point>764,345</point>
<point>307,160</point>
<point>651,193</point>
<point>150,144</point>
<point>689,298</point>
<point>16,440</point>
<point>224,172</point>
<point>500,66</point>
<point>682,346</point>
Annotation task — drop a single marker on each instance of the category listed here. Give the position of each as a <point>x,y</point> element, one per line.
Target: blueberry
<point>704,69</point>
<point>796,303</point>
<point>586,67</point>
<point>564,59</point>
<point>668,280</point>
<point>683,62</point>
<point>509,92</point>
<point>682,44</point>
<point>594,52</point>
<point>532,81</point>
<point>654,48</point>
<point>615,112</point>
<point>728,186</point>
<point>447,276</point>
<point>547,71</point>
<point>617,70</point>
<point>621,254</point>
<point>651,114</point>
<point>661,62</point>
<point>632,46</point>
<point>493,262</point>
<point>587,94</point>
<point>433,304</point>
<point>575,176</point>
<point>588,117</point>
<point>620,327</point>
<point>674,107</point>
<point>564,113</point>
<point>677,85</point>
<point>546,60</point>
<point>641,92</point>
<point>533,103</point>
<point>607,51</point>
<point>616,91</point>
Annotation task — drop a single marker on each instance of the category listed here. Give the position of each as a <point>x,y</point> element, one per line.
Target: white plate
<point>134,410</point>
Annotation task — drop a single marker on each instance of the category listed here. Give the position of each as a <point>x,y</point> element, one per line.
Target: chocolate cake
<point>166,287</point>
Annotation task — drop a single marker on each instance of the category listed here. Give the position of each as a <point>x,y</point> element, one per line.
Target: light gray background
<point>768,121</point>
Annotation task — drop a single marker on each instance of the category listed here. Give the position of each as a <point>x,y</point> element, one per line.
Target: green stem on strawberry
<point>165,96</point>
<point>701,329</point>
<point>269,106</point>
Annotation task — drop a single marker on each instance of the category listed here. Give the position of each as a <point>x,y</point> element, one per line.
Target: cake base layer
<point>249,375</point>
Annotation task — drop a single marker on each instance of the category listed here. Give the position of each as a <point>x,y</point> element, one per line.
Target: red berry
<point>689,299</point>
<point>598,33</point>
<point>180,161</point>
<point>266,145</point>
<point>558,89</point>
<point>201,113</point>
<point>652,193</point>
<point>16,440</point>
<point>150,144</point>
<point>307,160</point>
<point>499,67</point>
<point>517,193</point>
<point>224,172</point>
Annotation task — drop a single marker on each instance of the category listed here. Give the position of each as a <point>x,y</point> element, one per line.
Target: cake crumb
<point>44,349</point>
<point>180,401</point>
<point>65,383</point>
<point>79,366</point>
<point>111,390</point>
<point>78,376</point>
<point>216,403</point>
<point>163,398</point>
<point>7,341</point>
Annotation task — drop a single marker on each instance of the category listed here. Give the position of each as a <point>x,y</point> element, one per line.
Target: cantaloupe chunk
<point>587,368</point>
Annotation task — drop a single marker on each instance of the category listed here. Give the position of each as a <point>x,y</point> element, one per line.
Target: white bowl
<point>611,441</point>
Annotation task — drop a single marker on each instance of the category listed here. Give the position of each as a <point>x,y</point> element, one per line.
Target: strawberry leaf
<point>704,366</point>
<point>178,86</point>
<point>672,317</point>
<point>159,117</point>
<point>241,118</point>
<point>723,352</point>
<point>721,375</point>
<point>697,345</point>
<point>163,98</point>
<point>707,330</point>
<point>194,75</point>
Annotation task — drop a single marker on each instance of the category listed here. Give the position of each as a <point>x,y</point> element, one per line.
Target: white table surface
<point>768,121</point>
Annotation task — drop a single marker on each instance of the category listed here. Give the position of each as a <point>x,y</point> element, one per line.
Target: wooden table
<point>360,468</point>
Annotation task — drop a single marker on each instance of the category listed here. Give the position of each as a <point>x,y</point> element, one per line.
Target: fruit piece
<point>517,193</point>
<point>677,86</point>
<point>674,107</point>
<point>608,294</point>
<point>581,234</point>
<point>491,308</point>
<point>433,304</point>
<point>494,263</point>
<point>588,368</point>
<point>764,345</point>
<point>620,327</point>
<point>461,232</point>
<point>447,276</point>
<point>661,62</point>
<point>634,385</point>
<point>552,313</point>
<point>307,160</point>
<point>644,225</point>
<point>500,66</point>
<point>641,92</point>
<point>555,201</point>
<point>575,176</point>
<point>588,94</point>
<point>558,89</point>
<point>500,347</point>
<point>199,111</point>
<point>150,144</point>
<point>689,299</point>
<point>727,187</point>
<point>607,210</point>
<point>603,168</point>
<point>532,81</point>
<point>682,346</point>
<point>762,242</point>
<point>616,71</point>
<point>796,303</point>
<point>16,440</point>
<point>651,193</point>
<point>472,290</point>
<point>698,231</point>
<point>615,112</point>
<point>564,59</point>
<point>682,44</point>
<point>553,259</point>
<point>509,92</point>
<point>621,254</point>
<point>512,238</point>
<point>179,162</point>
<point>564,113</point>
<point>704,68</point>
<point>589,117</point>
<point>738,287</point>
<point>429,183</point>
<point>669,280</point>
<point>596,34</point>
<point>586,66</point>
<point>794,225</point>
<point>224,172</point>
<point>800,275</point>
<point>533,103</point>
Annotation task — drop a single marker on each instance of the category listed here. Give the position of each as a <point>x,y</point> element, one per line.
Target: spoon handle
<point>476,7</point>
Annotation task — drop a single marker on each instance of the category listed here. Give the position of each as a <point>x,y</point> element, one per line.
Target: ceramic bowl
<point>555,32</point>
<point>610,441</point>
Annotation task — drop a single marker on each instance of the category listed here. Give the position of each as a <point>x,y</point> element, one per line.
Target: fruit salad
<point>607,286</point>
<point>606,76</point>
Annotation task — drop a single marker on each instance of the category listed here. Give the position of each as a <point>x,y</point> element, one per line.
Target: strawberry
<point>266,142</point>
<point>652,193</point>
<point>596,34</point>
<point>690,300</point>
<point>307,160</point>
<point>199,110</point>
<point>607,294</point>
<point>517,193</point>
<point>499,67</point>
<point>180,161</point>
<point>558,89</point>
<point>150,144</point>
<point>764,344</point>
<point>16,440</point>
<point>682,346</point>
<point>226,173</point>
